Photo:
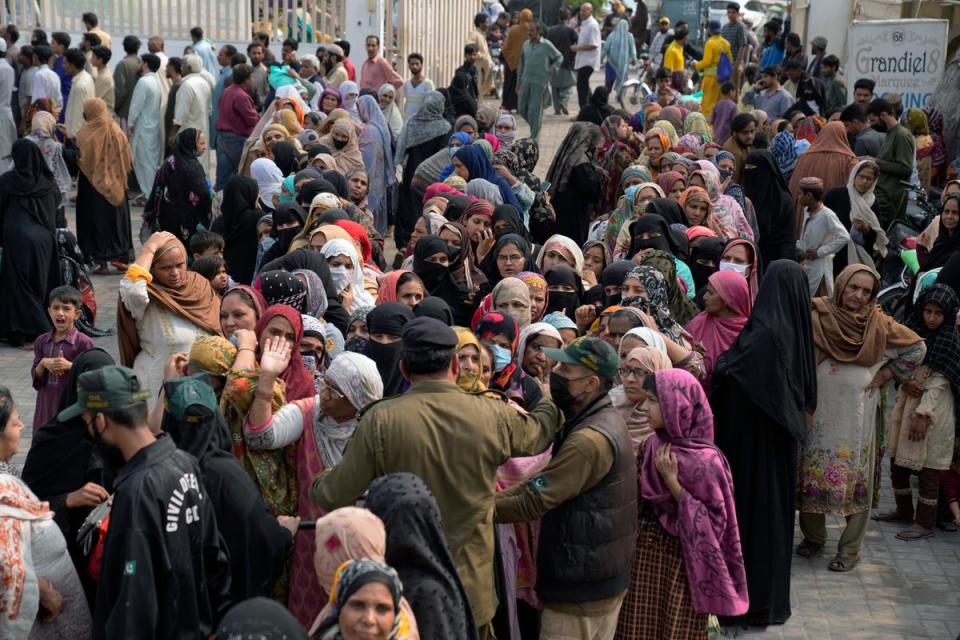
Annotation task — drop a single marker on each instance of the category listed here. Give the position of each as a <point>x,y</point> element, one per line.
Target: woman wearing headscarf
<point>598,107</point>
<point>431,261</point>
<point>512,48</point>
<point>768,427</point>
<point>511,297</point>
<point>784,150</point>
<point>682,309</point>
<point>471,163</point>
<point>349,278</point>
<point>60,464</point>
<point>463,263</point>
<point>764,184</point>
<point>163,309</point>
<point>645,288</point>
<point>561,249</point>
<point>29,270</point>
<point>269,177</point>
<point>725,210</point>
<point>628,397</point>
<point>620,148</point>
<point>103,217</point>
<point>828,158</point>
<point>853,204</point>
<point>418,549</point>
<point>620,51</point>
<point>564,290</point>
<point>576,181</point>
<point>350,533</point>
<point>314,261</point>
<point>319,427</point>
<point>281,287</point>
<point>742,256</point>
<point>859,349</point>
<point>387,98</point>
<point>727,303</point>
<point>342,139</point>
<point>423,135</point>
<point>504,333</point>
<point>240,216</point>
<point>376,148</point>
<point>42,130</point>
<point>672,182</point>
<point>632,205</point>
<point>350,578</point>
<point>180,201</point>
<point>505,129</point>
<point>688,565</point>
<point>385,325</point>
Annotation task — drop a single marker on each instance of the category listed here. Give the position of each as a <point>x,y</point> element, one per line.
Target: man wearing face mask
<point>586,497</point>
<point>454,441</point>
<point>160,510</point>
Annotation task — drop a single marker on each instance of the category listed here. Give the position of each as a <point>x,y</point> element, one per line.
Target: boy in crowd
<point>822,236</point>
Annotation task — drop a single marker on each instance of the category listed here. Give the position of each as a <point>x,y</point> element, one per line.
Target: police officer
<point>454,441</point>
<point>165,572</point>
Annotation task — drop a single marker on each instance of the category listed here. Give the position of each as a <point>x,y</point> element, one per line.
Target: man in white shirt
<point>103,80</point>
<point>193,104</point>
<point>587,49</point>
<point>146,122</point>
<point>155,46</point>
<point>415,89</point>
<point>81,90</point>
<point>8,130</point>
<point>46,83</point>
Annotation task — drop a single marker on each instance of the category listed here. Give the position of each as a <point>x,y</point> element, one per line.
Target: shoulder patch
<point>130,568</point>
<point>539,482</point>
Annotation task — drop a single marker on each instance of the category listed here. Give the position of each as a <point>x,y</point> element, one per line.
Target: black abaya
<point>575,205</point>
<point>410,205</point>
<point>103,230</point>
<point>30,267</point>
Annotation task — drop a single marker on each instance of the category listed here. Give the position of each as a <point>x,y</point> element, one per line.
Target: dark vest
<point>587,543</point>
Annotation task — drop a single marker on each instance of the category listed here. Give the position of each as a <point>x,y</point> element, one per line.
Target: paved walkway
<point>900,590</point>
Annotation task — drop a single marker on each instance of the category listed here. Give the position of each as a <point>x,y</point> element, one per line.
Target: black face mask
<point>650,243</point>
<point>431,273</point>
<point>110,458</point>
<point>340,144</point>
<point>560,394</point>
<point>609,301</point>
<point>564,301</point>
<point>356,344</point>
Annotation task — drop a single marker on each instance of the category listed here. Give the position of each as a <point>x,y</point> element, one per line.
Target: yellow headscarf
<point>470,382</point>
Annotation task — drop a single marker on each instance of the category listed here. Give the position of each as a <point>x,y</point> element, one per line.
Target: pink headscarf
<point>437,188</point>
<point>714,332</point>
<point>705,519</point>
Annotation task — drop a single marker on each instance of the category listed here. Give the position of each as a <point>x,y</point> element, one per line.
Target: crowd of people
<point>589,404</point>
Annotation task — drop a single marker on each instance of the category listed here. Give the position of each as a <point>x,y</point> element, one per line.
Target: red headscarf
<point>359,234</point>
<point>718,333</point>
<point>388,286</point>
<point>297,379</point>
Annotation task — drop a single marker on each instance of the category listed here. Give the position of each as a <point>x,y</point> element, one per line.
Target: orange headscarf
<point>278,105</point>
<point>516,36</point>
<point>699,193</point>
<point>105,157</point>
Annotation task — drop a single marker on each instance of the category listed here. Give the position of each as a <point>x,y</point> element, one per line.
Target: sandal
<point>914,533</point>
<point>807,549</point>
<point>842,563</point>
<point>890,516</point>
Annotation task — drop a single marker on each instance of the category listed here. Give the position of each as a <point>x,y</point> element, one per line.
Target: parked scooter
<point>635,88</point>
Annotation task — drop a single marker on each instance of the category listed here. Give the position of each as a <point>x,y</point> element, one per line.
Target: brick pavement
<point>899,590</point>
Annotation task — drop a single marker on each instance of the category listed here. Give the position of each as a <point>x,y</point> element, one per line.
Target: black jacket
<point>463,91</point>
<point>165,570</point>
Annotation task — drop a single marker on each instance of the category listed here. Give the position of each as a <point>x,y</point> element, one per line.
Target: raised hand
<point>274,356</point>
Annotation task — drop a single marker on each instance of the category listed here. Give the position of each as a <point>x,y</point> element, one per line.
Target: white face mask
<point>342,277</point>
<point>733,266</point>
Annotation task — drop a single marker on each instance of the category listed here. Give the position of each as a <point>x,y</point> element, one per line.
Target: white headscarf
<point>650,337</point>
<point>348,86</point>
<point>341,247</point>
<point>358,379</point>
<point>292,92</point>
<point>861,208</point>
<point>268,176</point>
<point>567,244</point>
<point>532,331</point>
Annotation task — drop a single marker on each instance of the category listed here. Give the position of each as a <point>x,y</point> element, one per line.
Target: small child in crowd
<point>55,351</point>
<point>206,243</point>
<point>213,268</point>
<point>723,112</point>
<point>821,237</point>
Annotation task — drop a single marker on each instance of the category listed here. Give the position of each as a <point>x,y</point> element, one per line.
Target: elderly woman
<point>387,96</point>
<point>40,592</point>
<point>359,587</point>
<point>320,426</point>
<point>163,309</point>
<point>42,130</point>
<point>859,349</point>
<point>630,395</point>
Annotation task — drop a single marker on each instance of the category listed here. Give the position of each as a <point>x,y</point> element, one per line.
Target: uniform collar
<point>150,455</point>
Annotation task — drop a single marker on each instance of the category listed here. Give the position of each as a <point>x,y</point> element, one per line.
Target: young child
<point>922,432</point>
<point>214,269</point>
<point>206,243</point>
<point>55,351</point>
<point>723,112</point>
<point>822,236</point>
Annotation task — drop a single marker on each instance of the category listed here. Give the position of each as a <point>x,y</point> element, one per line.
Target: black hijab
<point>389,318</point>
<point>437,279</point>
<point>284,214</point>
<point>418,550</point>
<point>260,618</point>
<point>944,246</point>
<point>60,454</point>
<point>706,250</point>
<point>304,258</point>
<point>613,276</point>
<point>330,216</point>
<point>434,307</point>
<point>282,287</point>
<point>240,216</point>
<point>668,209</point>
<point>489,264</point>
<point>285,157</point>
<point>763,183</point>
<point>30,176</point>
<point>665,238</point>
<point>311,189</point>
<point>456,205</point>
<point>340,186</point>
<point>777,369</point>
<point>567,302</point>
<point>509,214</point>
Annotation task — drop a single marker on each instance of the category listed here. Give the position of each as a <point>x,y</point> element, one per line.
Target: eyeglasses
<point>333,392</point>
<point>632,372</point>
<point>511,258</point>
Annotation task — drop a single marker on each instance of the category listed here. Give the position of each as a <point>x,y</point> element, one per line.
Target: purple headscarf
<point>705,518</point>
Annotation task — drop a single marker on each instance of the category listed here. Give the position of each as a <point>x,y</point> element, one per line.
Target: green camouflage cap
<point>592,353</point>
<point>111,387</point>
<point>190,399</point>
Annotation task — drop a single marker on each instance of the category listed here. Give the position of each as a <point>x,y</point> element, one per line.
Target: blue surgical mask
<point>733,266</point>
<point>501,358</point>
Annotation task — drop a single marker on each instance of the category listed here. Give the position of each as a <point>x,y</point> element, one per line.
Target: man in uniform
<point>165,571</point>
<point>454,441</point>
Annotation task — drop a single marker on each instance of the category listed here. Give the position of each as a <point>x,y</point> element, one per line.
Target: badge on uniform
<point>539,482</point>
<point>130,568</point>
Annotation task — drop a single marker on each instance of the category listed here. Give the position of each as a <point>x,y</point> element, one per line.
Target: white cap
<point>3,45</point>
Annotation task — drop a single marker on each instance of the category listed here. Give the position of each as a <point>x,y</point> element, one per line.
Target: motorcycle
<point>635,88</point>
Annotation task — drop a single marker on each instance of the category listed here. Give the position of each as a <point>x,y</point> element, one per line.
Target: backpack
<point>724,68</point>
